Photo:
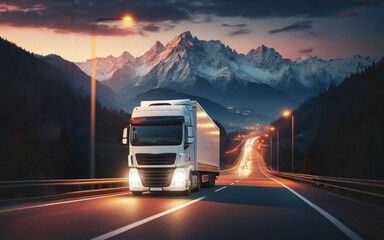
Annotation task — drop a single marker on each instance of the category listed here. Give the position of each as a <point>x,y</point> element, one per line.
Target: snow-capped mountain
<point>186,58</point>
<point>261,80</point>
<point>105,67</point>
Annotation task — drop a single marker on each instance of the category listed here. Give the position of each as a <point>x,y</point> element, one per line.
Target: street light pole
<point>286,114</point>
<point>93,90</point>
<point>277,150</point>
<point>293,143</point>
<point>270,140</point>
<point>93,103</point>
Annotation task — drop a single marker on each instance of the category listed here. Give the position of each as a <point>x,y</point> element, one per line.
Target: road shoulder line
<point>325,214</point>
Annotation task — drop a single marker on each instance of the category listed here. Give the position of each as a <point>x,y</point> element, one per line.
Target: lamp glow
<point>286,113</point>
<point>127,19</point>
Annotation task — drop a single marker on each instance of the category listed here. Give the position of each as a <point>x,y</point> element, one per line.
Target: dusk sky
<point>324,28</point>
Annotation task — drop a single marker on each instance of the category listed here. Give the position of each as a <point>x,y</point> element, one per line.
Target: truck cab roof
<point>161,110</point>
<point>178,102</point>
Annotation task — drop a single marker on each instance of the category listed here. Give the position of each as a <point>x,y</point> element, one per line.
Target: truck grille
<point>156,177</point>
<point>156,159</point>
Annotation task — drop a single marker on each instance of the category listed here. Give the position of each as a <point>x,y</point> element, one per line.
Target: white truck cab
<point>173,146</point>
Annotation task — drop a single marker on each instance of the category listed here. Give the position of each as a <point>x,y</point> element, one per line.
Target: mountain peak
<point>262,49</point>
<point>185,35</point>
<point>152,53</point>
<point>158,46</point>
<point>125,55</point>
<point>184,39</point>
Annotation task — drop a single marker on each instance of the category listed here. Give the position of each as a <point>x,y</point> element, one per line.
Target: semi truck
<point>173,146</point>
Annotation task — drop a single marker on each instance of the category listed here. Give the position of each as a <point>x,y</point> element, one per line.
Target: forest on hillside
<point>45,122</point>
<point>340,132</point>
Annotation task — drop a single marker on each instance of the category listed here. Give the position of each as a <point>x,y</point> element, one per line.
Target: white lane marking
<point>143,221</point>
<point>220,189</point>
<point>332,219</point>
<point>232,183</point>
<point>58,203</point>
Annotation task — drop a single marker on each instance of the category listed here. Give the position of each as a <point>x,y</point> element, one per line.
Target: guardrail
<point>40,188</point>
<point>372,188</point>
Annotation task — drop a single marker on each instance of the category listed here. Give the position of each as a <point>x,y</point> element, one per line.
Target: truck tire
<point>137,193</point>
<point>198,183</point>
<point>188,192</point>
<point>213,179</point>
<point>211,182</point>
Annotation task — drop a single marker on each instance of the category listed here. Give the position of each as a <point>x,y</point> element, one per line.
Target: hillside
<point>231,120</point>
<point>45,121</point>
<point>340,132</point>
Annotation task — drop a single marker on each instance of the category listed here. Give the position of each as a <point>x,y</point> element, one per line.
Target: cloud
<point>306,50</point>
<point>234,25</point>
<point>295,27</point>
<point>151,28</point>
<point>65,16</point>
<point>239,32</point>
<point>312,34</point>
<point>77,16</point>
<point>208,19</point>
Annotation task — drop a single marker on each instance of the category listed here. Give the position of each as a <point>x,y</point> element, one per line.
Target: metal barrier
<point>40,188</point>
<point>372,188</point>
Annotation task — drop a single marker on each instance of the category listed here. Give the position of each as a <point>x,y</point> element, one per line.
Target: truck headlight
<point>134,178</point>
<point>179,176</point>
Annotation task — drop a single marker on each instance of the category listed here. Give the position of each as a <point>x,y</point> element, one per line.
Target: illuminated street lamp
<point>286,114</point>
<point>93,88</point>
<point>272,129</point>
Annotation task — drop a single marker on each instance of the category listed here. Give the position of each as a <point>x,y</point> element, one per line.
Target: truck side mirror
<point>190,132</point>
<point>125,136</point>
<point>190,138</point>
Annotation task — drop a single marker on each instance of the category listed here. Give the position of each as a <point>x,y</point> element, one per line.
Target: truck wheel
<point>198,182</point>
<point>136,193</point>
<point>188,192</point>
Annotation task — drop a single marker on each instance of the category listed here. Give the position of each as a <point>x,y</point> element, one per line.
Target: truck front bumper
<point>180,182</point>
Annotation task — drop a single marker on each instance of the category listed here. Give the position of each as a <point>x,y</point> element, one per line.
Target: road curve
<point>246,203</point>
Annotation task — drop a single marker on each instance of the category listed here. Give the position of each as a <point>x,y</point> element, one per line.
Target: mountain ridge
<point>185,57</point>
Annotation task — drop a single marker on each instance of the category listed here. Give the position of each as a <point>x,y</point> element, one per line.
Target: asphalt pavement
<point>246,203</point>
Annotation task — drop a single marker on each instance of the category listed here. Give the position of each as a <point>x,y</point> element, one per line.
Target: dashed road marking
<point>145,220</point>
<point>58,203</point>
<point>220,189</point>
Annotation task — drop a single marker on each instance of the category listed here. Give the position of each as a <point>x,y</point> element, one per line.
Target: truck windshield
<point>156,135</point>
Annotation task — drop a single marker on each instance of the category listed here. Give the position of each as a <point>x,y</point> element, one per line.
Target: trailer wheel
<point>137,193</point>
<point>211,182</point>
<point>213,179</point>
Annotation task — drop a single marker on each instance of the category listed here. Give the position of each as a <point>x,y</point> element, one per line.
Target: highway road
<point>246,203</point>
